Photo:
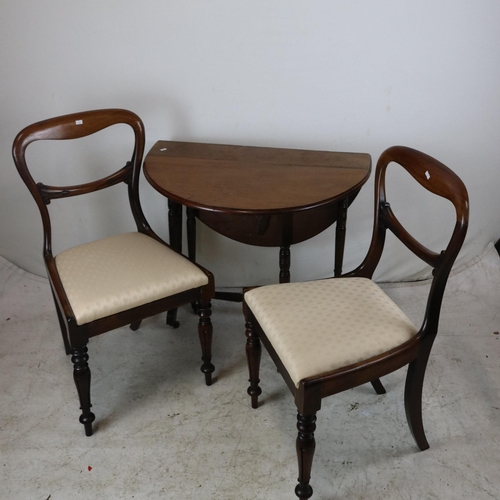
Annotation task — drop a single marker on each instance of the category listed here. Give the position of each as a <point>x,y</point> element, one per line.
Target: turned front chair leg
<point>306,444</point>
<point>205,333</point>
<point>253,350</point>
<point>81,376</point>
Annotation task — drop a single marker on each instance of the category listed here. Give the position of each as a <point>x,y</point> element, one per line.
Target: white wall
<point>350,75</point>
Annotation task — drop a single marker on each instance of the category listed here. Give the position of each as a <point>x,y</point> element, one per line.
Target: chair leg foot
<point>253,351</point>
<point>87,423</point>
<point>306,444</point>
<point>377,385</point>
<point>208,374</point>
<point>172,318</point>
<point>135,325</point>
<point>303,491</point>
<point>205,331</point>
<point>81,376</point>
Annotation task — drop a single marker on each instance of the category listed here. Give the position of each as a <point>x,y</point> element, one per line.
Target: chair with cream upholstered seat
<point>118,280</point>
<point>331,335</point>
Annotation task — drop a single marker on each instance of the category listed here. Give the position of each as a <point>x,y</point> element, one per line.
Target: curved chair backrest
<point>75,126</point>
<point>440,180</point>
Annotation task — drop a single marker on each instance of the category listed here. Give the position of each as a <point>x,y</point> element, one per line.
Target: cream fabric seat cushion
<point>319,326</point>
<point>114,274</point>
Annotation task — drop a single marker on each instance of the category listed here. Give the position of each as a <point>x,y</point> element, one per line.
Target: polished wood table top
<point>257,195</point>
<point>245,179</point>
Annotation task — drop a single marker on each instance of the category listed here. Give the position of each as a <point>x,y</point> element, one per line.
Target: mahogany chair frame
<point>440,180</point>
<point>76,337</point>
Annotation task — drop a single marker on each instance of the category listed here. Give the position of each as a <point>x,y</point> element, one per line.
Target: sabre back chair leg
<point>377,385</point>
<point>413,396</point>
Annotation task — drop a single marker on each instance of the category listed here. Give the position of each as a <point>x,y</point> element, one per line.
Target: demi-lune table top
<point>261,196</point>
<point>246,179</point>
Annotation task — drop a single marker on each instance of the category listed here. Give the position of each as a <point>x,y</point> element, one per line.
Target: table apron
<point>273,230</point>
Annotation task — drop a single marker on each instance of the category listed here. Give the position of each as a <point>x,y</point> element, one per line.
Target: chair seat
<point>319,326</point>
<point>117,273</point>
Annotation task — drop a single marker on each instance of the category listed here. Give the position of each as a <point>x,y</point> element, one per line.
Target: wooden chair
<point>118,280</point>
<point>330,335</point>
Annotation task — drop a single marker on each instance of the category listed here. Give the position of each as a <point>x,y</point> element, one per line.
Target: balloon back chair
<point>356,334</point>
<point>118,280</point>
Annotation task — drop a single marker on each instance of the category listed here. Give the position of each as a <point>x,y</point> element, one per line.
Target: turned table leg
<point>340,236</point>
<point>175,232</point>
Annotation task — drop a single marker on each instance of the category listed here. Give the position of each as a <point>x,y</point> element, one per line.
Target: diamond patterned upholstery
<point>319,326</point>
<point>115,274</point>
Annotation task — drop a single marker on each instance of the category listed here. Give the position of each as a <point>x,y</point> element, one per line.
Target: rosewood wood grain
<point>259,196</point>
<point>305,444</point>
<point>76,337</point>
<point>242,179</point>
<point>440,180</point>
